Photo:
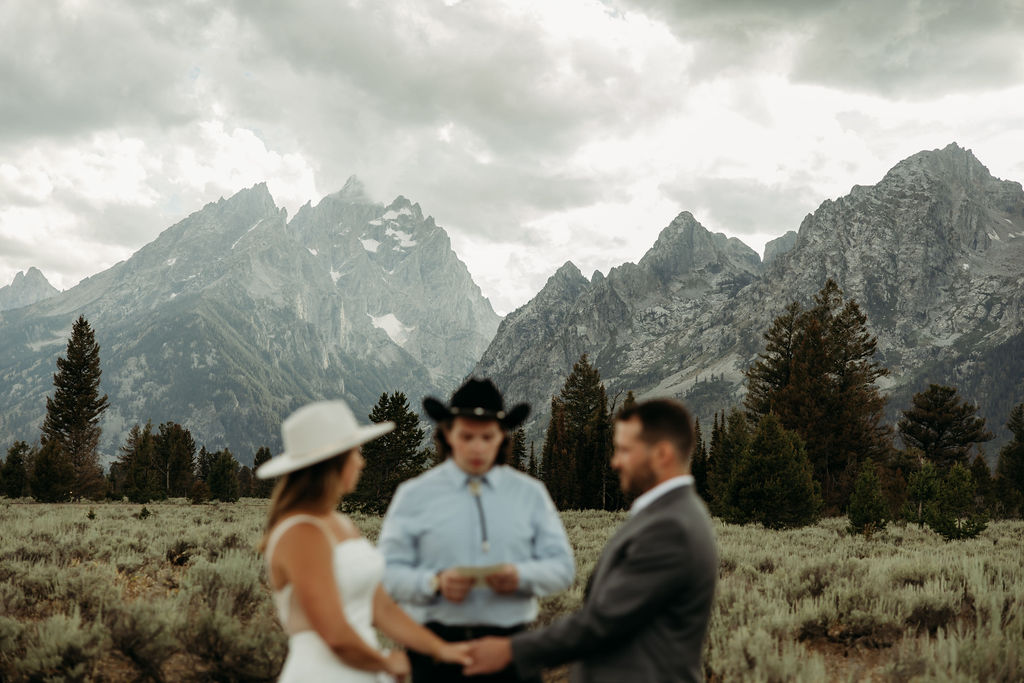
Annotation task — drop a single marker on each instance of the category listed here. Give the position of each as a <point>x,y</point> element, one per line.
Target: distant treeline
<point>810,439</point>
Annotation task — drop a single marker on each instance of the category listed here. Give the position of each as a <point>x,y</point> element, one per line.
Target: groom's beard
<point>639,481</point>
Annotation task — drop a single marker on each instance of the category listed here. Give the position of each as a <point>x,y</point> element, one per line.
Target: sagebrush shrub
<point>61,647</point>
<point>145,633</point>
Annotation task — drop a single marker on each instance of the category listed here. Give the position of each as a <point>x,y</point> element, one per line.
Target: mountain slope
<point>934,253</point>
<point>234,317</point>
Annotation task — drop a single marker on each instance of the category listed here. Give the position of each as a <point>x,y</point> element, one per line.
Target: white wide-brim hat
<point>316,432</point>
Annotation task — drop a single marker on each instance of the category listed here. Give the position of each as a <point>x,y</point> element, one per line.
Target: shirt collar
<point>658,491</point>
<point>459,479</point>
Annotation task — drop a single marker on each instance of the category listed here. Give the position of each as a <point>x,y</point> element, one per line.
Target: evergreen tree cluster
<point>817,375</point>
<point>758,473</point>
<point>575,461</point>
<point>390,459</point>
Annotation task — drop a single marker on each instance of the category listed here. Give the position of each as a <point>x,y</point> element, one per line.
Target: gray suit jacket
<point>647,606</point>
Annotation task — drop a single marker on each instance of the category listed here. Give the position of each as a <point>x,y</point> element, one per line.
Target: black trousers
<point>426,670</point>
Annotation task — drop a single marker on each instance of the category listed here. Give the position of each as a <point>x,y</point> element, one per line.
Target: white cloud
<point>535,132</point>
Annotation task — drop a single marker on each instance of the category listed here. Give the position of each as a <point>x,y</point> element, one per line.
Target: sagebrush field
<point>173,592</point>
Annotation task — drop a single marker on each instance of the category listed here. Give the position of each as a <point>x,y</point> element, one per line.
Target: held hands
<point>454,653</point>
<point>396,663</point>
<point>489,655</point>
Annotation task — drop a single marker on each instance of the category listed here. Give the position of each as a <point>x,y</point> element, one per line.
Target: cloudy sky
<point>534,131</point>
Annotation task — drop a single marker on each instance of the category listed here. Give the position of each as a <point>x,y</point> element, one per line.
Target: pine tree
<point>390,459</point>
<point>204,461</point>
<point>954,513</point>
<point>770,374</point>
<point>245,481</point>
<point>582,442</point>
<point>772,480</point>
<point>699,463</point>
<point>558,463</point>
<point>868,511</point>
<point>73,412</point>
<point>519,450</point>
<point>134,474</point>
<point>922,490</point>
<point>533,469</point>
<point>174,459</point>
<point>731,446</point>
<point>629,401</point>
<point>14,474</point>
<point>262,488</point>
<point>943,426</point>
<point>818,375</point>
<point>53,476</point>
<point>1009,481</point>
<point>223,477</point>
<point>983,484</point>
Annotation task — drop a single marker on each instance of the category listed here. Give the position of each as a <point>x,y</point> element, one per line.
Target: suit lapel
<point>629,528</point>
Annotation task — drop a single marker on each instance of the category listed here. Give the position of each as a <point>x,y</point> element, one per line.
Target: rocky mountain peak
<point>951,164</point>
<point>401,205</point>
<point>27,288</point>
<point>685,246</point>
<point>567,278</point>
<point>353,192</point>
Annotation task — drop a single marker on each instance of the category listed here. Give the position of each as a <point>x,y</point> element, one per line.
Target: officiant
<point>472,543</point>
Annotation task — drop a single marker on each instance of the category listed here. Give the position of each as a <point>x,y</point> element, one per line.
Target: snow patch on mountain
<point>246,233</point>
<point>393,327</point>
<point>404,238</point>
<point>393,215</point>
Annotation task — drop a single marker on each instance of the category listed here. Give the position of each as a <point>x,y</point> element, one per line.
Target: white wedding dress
<point>358,567</point>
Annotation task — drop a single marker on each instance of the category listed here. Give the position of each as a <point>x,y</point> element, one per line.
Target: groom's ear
<point>663,456</point>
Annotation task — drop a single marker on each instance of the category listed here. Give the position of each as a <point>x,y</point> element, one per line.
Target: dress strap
<point>287,524</point>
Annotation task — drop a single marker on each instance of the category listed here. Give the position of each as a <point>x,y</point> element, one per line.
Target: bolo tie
<point>474,488</point>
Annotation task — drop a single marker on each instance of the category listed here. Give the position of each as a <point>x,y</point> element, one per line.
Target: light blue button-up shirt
<point>433,523</point>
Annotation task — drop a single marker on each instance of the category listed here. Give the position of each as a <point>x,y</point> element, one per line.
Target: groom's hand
<point>504,581</point>
<point>489,655</point>
<point>454,586</point>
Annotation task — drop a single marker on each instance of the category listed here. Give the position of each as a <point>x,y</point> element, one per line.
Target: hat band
<point>476,412</point>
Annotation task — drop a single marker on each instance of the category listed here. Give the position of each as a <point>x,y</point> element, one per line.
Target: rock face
<point>234,317</point>
<point>779,246</point>
<point>934,254</point>
<point>633,323</point>
<point>26,289</point>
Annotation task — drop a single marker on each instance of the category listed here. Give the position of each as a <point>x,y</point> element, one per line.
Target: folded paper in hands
<point>480,573</point>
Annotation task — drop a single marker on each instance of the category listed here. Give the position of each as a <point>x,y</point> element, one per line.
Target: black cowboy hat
<point>479,399</point>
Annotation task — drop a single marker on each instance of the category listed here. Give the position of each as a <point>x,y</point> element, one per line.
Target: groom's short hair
<point>663,419</point>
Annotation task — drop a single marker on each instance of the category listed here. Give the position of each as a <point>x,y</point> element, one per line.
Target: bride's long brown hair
<point>302,489</point>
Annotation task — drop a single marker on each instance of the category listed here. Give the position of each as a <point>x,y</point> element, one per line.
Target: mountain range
<point>933,253</point>
<point>237,315</point>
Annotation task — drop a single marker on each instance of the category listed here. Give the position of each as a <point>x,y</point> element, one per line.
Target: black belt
<point>471,632</point>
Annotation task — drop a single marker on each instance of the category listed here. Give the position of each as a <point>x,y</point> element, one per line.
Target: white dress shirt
<point>651,495</point>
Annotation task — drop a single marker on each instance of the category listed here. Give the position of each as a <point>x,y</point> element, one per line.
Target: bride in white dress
<point>324,575</point>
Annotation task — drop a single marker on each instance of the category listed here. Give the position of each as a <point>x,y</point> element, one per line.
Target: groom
<point>646,610</point>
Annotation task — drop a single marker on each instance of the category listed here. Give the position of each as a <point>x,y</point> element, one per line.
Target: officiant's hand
<point>454,586</point>
<point>504,581</point>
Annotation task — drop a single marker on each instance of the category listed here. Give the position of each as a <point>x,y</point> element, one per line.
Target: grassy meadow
<point>108,592</point>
